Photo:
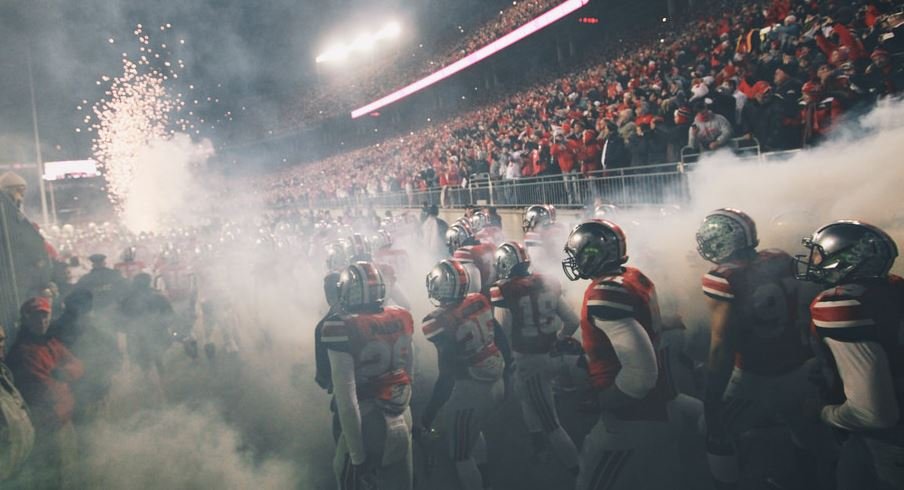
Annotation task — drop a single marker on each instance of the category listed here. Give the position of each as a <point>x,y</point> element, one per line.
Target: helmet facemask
<point>862,259</point>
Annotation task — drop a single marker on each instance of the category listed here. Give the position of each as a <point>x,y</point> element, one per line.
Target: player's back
<point>380,342</point>
<point>765,298</point>
<point>532,301</point>
<point>468,326</point>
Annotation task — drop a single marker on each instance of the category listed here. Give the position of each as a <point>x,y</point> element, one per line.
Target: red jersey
<point>627,295</point>
<point>467,329</point>
<point>533,302</point>
<point>33,362</point>
<point>380,343</point>
<point>765,299</point>
<point>482,256</point>
<point>130,269</point>
<point>865,311</point>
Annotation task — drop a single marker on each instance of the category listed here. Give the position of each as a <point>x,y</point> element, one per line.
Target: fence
<point>650,184</point>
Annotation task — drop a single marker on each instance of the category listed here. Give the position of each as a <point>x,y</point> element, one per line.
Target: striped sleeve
<point>717,286</point>
<point>610,300</point>
<point>497,298</point>
<point>532,239</point>
<point>842,318</point>
<point>335,335</point>
<point>433,326</point>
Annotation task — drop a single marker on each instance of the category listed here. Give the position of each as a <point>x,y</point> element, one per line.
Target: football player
<point>619,327</point>
<point>485,230</point>
<point>757,353</point>
<point>357,248</point>
<point>381,244</point>
<point>542,234</point>
<point>471,368</point>
<point>534,316</point>
<point>476,256</point>
<point>857,322</point>
<point>370,353</point>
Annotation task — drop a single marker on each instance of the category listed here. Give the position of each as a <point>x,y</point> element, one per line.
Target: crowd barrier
<point>661,184</point>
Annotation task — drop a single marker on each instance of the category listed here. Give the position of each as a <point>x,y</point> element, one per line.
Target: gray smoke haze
<point>257,420</point>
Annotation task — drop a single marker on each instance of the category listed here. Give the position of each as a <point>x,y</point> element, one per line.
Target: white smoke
<point>177,448</point>
<point>266,425</point>
<point>163,191</point>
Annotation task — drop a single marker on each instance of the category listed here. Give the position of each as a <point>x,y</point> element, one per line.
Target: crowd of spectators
<point>783,73</point>
<point>374,80</point>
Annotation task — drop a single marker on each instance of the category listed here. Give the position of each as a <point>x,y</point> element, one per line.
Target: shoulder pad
<point>335,334</point>
<point>610,300</point>
<point>716,284</point>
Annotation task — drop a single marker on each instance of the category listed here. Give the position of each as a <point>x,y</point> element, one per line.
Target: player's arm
<point>634,349</point>
<point>342,366</point>
<point>504,320</point>
<point>719,362</point>
<point>570,320</point>
<point>342,374</point>
<point>322,375</point>
<point>445,382</point>
<point>869,391</point>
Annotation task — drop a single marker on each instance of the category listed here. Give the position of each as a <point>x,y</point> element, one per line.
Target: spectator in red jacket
<point>44,369</point>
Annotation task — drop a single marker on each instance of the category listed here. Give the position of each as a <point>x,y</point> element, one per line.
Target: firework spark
<point>139,111</point>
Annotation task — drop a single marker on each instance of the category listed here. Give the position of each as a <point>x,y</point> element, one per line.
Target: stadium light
<point>503,42</point>
<point>363,42</point>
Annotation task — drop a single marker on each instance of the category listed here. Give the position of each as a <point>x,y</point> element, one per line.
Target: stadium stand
<point>779,74</point>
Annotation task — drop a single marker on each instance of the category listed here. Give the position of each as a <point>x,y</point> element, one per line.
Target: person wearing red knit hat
<point>44,370</point>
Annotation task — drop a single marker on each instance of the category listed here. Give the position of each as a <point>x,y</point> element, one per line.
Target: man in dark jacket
<point>96,349</point>
<point>147,319</point>
<point>104,283</point>
<point>45,371</point>
<point>766,116</point>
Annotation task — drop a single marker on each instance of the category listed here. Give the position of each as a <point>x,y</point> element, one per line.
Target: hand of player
<point>714,145</point>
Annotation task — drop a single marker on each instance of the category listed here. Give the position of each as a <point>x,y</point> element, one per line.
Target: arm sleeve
<point>342,366</point>
<point>570,321</point>
<point>635,353</point>
<point>868,388</point>
<point>504,319</point>
<point>692,136</point>
<point>442,390</point>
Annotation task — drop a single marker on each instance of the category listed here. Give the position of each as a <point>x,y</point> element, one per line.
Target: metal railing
<point>650,184</point>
